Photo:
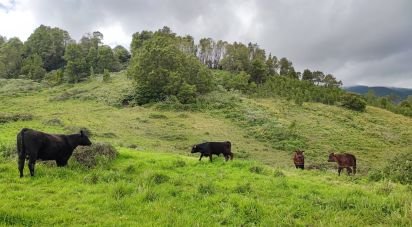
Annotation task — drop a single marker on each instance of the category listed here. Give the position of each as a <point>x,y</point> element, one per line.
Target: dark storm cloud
<point>359,41</point>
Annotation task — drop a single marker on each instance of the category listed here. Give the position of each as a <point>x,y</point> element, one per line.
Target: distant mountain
<point>402,93</point>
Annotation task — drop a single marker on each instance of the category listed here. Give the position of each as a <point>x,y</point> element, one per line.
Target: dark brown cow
<point>34,145</point>
<point>344,161</point>
<point>299,159</point>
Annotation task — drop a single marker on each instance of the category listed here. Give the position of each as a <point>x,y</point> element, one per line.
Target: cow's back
<point>346,159</point>
<point>220,147</point>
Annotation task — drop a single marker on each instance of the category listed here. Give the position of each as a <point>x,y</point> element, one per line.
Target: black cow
<point>211,148</point>
<point>35,145</point>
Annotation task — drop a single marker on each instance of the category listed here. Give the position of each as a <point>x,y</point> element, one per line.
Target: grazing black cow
<point>34,145</point>
<point>211,148</point>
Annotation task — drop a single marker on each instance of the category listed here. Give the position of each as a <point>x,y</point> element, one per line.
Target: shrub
<point>98,153</point>
<point>157,116</point>
<point>8,150</point>
<point>5,117</point>
<point>400,168</point>
<point>159,178</point>
<point>106,76</point>
<point>243,189</point>
<point>353,102</point>
<point>206,189</point>
<point>121,190</point>
<point>256,169</point>
<point>53,122</point>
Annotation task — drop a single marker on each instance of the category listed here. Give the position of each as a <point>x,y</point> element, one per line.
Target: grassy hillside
<point>156,180</point>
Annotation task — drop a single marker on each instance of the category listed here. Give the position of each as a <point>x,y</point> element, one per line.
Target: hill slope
<point>402,93</point>
<point>156,181</point>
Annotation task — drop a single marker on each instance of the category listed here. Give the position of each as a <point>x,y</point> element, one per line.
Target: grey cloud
<point>359,41</point>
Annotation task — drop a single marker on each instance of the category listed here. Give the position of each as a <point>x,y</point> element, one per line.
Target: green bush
<point>353,102</point>
<point>106,76</point>
<point>400,168</point>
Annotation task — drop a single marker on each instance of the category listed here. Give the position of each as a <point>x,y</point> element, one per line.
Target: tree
<point>92,57</point>
<point>138,39</point>
<point>3,40</point>
<point>122,55</point>
<point>49,43</point>
<point>161,70</point>
<point>286,68</point>
<point>307,75</point>
<point>318,77</point>
<point>106,60</point>
<point>76,67</point>
<point>272,65</point>
<point>11,57</point>
<point>258,71</point>
<point>33,68</point>
<point>330,81</point>
<point>236,58</point>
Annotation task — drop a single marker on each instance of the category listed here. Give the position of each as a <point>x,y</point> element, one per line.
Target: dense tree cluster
<point>51,54</point>
<point>244,67</point>
<point>163,70</point>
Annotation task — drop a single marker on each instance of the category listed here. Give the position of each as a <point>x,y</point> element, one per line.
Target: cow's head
<point>195,149</point>
<point>332,157</point>
<point>299,155</point>
<point>84,139</point>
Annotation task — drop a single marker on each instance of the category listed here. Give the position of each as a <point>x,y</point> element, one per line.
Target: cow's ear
<point>303,151</point>
<point>81,133</point>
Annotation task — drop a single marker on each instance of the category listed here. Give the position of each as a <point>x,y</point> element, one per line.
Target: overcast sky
<point>365,42</point>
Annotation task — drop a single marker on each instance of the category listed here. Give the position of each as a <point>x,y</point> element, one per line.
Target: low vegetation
<point>157,189</point>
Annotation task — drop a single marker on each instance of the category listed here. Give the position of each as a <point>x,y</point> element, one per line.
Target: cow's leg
<point>201,155</point>
<point>32,162</point>
<point>61,163</point>
<point>210,157</point>
<point>339,170</point>
<point>226,157</point>
<point>349,170</point>
<point>21,165</point>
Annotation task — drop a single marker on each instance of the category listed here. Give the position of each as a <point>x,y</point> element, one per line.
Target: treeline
<point>236,66</point>
<point>166,65</point>
<point>51,54</point>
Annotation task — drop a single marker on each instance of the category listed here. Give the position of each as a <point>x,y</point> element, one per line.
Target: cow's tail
<point>21,149</point>
<point>354,165</point>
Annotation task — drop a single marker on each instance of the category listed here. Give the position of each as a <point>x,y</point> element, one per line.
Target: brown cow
<point>344,161</point>
<point>299,159</point>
